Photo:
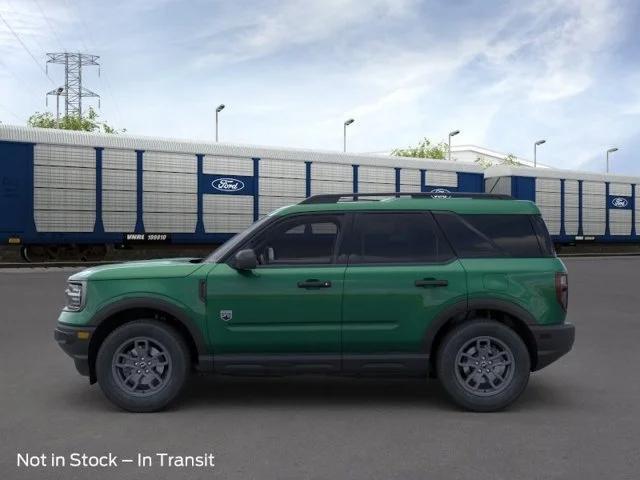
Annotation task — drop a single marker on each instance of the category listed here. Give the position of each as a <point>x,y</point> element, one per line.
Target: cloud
<point>551,48</point>
<point>290,72</point>
<point>289,23</point>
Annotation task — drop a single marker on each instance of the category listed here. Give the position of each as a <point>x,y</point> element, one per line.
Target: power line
<point>113,97</point>
<point>34,35</point>
<point>26,49</point>
<point>6,109</point>
<point>19,79</point>
<point>51,27</point>
<point>106,83</point>
<point>82,24</point>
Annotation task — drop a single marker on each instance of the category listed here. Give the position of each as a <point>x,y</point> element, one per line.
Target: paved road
<point>579,418</point>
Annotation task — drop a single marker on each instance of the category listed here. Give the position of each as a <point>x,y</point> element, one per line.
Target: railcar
<point>576,206</point>
<point>78,193</point>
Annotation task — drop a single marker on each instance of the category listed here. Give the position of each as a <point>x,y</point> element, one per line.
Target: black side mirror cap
<point>245,260</point>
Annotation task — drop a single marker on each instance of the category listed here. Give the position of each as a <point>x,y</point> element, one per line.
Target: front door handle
<point>313,283</point>
<point>431,282</point>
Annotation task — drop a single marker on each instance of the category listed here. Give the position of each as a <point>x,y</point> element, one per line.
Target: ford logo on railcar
<point>227,184</point>
<point>619,202</point>
<point>440,193</point>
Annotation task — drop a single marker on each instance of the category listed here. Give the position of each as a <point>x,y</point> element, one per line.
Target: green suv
<point>463,287</point>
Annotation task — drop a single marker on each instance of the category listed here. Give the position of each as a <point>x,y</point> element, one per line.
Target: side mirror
<point>245,260</point>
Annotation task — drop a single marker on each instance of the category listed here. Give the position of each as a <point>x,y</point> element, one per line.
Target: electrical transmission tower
<point>73,90</point>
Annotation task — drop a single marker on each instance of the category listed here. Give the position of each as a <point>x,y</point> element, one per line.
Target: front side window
<point>224,249</point>
<point>491,236</point>
<point>302,240</point>
<point>397,237</point>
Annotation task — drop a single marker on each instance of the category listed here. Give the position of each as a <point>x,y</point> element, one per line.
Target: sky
<point>505,73</point>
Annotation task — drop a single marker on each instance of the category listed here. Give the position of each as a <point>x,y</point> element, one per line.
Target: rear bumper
<point>77,347</point>
<point>552,342</point>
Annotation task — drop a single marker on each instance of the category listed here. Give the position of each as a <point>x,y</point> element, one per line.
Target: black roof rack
<point>354,196</point>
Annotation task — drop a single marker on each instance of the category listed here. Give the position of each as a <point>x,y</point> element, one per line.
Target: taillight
<point>562,289</point>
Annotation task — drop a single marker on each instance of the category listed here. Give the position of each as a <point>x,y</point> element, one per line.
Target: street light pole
<point>611,150</point>
<point>58,92</point>
<point>452,134</point>
<point>344,133</point>
<point>218,110</point>
<point>535,152</point>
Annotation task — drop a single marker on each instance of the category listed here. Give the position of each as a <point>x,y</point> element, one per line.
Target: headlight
<point>75,296</point>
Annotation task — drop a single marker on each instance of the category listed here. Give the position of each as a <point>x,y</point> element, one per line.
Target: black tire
<point>474,347</point>
<point>122,375</point>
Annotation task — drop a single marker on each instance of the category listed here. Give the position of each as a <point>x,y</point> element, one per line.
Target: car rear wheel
<point>142,366</point>
<point>483,365</point>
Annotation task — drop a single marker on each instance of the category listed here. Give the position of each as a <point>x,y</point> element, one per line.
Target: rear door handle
<point>314,284</point>
<point>431,282</point>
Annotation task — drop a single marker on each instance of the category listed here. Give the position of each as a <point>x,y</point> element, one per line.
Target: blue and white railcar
<point>62,188</point>
<point>576,206</point>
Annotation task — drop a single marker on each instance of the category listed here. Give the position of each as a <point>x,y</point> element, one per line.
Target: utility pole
<point>611,150</point>
<point>59,90</point>
<point>344,133</point>
<point>219,108</point>
<point>535,152</point>
<point>452,134</point>
<point>73,90</point>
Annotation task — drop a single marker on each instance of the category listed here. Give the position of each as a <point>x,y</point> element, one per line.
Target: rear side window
<point>397,237</point>
<point>491,236</point>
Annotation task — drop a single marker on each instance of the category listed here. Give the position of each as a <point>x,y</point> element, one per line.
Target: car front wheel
<point>483,365</point>
<point>142,366</point>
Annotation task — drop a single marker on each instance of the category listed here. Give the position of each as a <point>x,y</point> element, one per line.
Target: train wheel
<point>92,253</point>
<point>34,253</point>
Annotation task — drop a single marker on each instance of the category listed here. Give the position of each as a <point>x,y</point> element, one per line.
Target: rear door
<point>401,273</point>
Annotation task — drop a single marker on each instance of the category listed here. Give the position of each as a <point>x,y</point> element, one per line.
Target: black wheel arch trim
<point>466,306</point>
<point>178,313</point>
<point>511,308</point>
<point>439,321</point>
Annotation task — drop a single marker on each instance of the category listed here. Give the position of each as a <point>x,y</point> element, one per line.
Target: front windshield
<point>234,241</point>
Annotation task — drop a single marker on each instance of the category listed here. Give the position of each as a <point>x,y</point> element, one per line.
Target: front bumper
<point>74,341</point>
<point>552,342</point>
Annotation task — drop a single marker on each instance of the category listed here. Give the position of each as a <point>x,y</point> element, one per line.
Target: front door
<point>401,273</point>
<point>287,311</point>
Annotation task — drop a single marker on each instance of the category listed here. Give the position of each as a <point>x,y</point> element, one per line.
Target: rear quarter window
<point>493,235</point>
<point>546,245</point>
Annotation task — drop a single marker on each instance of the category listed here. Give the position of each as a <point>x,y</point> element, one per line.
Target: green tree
<point>510,160</point>
<point>424,149</point>
<point>85,123</point>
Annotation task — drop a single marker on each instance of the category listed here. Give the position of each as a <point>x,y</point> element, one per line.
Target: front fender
<point>179,311</point>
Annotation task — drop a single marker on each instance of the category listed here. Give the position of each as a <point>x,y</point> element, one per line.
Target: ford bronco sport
<point>463,287</point>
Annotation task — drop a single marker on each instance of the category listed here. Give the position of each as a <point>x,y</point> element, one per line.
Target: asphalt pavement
<point>579,418</point>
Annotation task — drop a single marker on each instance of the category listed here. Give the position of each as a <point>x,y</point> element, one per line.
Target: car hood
<point>165,268</point>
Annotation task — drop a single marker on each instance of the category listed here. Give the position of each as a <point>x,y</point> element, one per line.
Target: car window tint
<point>397,237</point>
<point>544,238</point>
<point>483,236</point>
<point>304,240</point>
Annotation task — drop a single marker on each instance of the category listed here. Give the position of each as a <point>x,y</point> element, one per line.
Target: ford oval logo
<point>620,202</point>
<point>440,193</point>
<point>227,184</point>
